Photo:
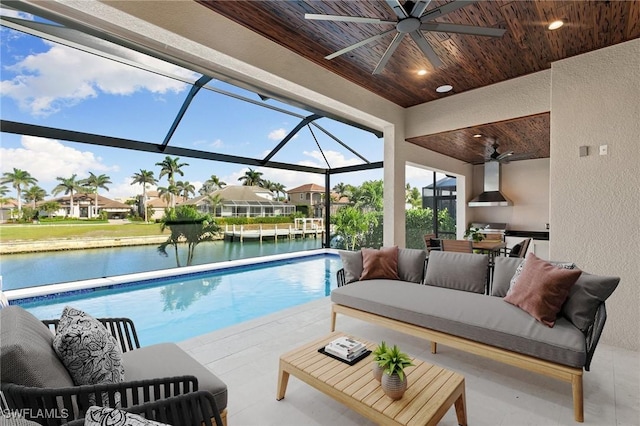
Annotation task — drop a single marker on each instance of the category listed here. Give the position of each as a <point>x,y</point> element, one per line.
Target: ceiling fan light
<point>555,24</point>
<point>422,72</point>
<point>444,88</point>
<point>477,135</point>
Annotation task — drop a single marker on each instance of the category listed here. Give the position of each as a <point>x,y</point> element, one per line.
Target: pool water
<point>178,308</point>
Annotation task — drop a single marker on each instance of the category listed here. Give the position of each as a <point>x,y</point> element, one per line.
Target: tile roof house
<point>310,196</point>
<point>242,201</point>
<point>84,206</point>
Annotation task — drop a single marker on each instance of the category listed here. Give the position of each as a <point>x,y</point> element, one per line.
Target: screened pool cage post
<point>327,207</point>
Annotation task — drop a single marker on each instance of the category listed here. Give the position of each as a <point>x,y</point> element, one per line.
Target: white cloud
<point>335,159</point>
<point>279,134</point>
<point>49,81</point>
<point>205,144</point>
<point>45,159</point>
<point>15,14</point>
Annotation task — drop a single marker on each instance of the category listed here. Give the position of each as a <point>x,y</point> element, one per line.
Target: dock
<point>302,228</point>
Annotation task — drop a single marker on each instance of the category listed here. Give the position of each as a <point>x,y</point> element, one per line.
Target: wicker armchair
<point>35,382</point>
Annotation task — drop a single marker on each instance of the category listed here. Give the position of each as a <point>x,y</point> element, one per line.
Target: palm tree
<point>3,190</point>
<point>95,183</point>
<point>340,189</point>
<point>143,178</point>
<point>215,182</point>
<point>68,186</point>
<point>189,226</point>
<point>18,179</point>
<point>251,177</point>
<point>185,189</point>
<point>170,167</point>
<point>279,188</point>
<point>213,201</point>
<point>168,193</point>
<point>34,194</point>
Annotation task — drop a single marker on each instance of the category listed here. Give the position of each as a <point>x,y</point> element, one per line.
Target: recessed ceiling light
<point>477,135</point>
<point>556,24</point>
<point>422,72</point>
<point>444,89</point>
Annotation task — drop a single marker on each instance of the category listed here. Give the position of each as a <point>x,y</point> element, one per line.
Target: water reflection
<point>179,296</point>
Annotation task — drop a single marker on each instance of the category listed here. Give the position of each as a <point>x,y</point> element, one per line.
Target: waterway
<point>33,269</point>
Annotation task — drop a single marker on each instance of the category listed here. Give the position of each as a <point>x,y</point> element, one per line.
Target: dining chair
<point>520,249</point>
<point>460,246</point>
<point>431,242</point>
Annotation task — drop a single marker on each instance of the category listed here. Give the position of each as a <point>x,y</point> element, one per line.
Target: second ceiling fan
<point>412,20</point>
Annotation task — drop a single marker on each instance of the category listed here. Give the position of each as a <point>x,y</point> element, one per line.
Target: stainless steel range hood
<point>491,197</point>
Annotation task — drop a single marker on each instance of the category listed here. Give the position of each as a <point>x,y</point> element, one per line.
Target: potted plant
<point>377,353</point>
<point>394,380</point>
<point>474,234</point>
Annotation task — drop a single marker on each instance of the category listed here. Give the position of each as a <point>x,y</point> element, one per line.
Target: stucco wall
<point>595,200</point>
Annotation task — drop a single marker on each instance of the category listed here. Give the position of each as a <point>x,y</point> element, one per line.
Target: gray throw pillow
<point>458,271</point>
<point>411,264</point>
<point>26,355</point>
<point>352,264</point>
<point>90,353</point>
<point>584,298</point>
<point>504,269</point>
<point>105,416</point>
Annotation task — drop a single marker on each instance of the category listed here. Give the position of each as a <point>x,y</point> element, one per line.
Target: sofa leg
<point>578,401</point>
<point>333,320</point>
<point>434,347</point>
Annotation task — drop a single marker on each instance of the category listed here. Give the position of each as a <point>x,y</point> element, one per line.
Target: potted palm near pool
<point>394,379</point>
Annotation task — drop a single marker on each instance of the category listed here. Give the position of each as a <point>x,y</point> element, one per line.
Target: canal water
<point>33,269</point>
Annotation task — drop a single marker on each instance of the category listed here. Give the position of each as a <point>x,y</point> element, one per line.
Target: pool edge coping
<point>95,283</point>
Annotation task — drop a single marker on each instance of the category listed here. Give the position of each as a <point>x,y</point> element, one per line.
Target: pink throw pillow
<point>381,263</point>
<point>542,289</point>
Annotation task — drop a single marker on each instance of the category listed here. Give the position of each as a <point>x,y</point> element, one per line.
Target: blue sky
<point>49,84</point>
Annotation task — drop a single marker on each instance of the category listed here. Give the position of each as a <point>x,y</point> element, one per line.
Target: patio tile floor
<point>246,357</point>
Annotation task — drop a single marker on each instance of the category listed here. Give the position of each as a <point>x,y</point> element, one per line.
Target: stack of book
<point>345,348</point>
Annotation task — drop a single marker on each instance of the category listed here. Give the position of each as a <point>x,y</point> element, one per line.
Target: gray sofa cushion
<point>168,360</point>
<point>459,271</point>
<point>411,264</point>
<point>26,353</point>
<point>584,298</point>
<point>504,269</point>
<point>352,264</point>
<point>472,316</point>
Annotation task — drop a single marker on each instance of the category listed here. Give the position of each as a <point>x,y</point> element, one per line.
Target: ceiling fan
<point>412,20</point>
<point>505,157</point>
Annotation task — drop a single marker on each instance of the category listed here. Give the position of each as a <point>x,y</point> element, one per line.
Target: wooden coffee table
<point>431,392</point>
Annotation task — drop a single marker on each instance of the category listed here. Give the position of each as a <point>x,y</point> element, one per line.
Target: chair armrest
<point>593,334</point>
<point>194,408</point>
<point>72,402</point>
<point>122,329</point>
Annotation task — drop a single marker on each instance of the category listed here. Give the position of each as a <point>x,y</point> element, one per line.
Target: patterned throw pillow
<point>104,416</point>
<point>87,349</point>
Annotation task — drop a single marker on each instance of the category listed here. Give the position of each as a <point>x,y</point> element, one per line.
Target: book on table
<point>345,348</point>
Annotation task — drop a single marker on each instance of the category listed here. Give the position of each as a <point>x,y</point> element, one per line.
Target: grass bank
<point>39,232</point>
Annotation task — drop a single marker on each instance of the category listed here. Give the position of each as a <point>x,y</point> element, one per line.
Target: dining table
<point>493,248</point>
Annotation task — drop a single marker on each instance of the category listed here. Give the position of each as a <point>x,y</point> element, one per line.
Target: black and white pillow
<point>87,349</point>
<point>104,416</point>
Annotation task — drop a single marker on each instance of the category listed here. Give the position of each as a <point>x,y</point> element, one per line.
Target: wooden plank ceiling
<point>469,62</point>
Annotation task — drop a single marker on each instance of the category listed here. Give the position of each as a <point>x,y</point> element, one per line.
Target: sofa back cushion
<point>458,271</point>
<point>411,264</point>
<point>26,353</point>
<point>504,270</point>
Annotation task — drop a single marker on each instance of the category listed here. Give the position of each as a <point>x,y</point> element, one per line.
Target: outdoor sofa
<point>444,300</point>
<point>37,384</point>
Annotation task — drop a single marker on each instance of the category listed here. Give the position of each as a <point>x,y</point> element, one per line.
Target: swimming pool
<point>177,308</point>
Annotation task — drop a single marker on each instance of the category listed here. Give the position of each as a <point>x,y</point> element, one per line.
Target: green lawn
<point>34,232</point>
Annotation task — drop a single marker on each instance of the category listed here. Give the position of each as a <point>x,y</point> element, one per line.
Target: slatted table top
<point>431,391</point>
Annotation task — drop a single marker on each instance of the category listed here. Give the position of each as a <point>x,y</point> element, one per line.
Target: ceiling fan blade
<point>387,54</point>
<point>398,9</point>
<point>444,27</point>
<point>426,48</point>
<point>446,9</point>
<point>419,7</point>
<point>504,155</point>
<point>340,18</point>
<point>358,44</point>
